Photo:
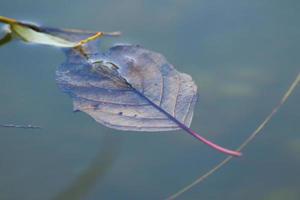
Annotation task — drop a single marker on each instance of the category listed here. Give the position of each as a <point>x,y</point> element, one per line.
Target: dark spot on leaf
<point>96,106</point>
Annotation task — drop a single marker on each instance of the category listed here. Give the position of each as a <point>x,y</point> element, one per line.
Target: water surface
<point>242,55</point>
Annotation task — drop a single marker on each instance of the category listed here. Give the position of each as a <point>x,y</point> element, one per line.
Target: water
<point>242,55</point>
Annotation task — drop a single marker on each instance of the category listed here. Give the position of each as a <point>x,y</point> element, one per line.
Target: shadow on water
<point>88,178</point>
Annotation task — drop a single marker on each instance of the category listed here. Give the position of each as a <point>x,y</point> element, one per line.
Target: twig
<point>29,126</point>
<point>243,145</point>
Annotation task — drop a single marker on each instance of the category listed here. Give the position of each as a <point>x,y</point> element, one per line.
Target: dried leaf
<point>114,103</point>
<point>131,88</point>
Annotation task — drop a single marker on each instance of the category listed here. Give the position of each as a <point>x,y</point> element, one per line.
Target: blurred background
<point>242,55</point>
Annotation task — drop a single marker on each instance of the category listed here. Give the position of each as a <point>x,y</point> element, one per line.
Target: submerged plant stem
<point>243,145</point>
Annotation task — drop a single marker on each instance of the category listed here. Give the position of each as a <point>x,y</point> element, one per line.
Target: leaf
<point>131,88</point>
<point>5,39</point>
<point>116,105</point>
<point>65,38</point>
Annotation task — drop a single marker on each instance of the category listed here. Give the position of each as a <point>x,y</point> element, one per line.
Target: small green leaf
<point>29,35</point>
<point>65,38</point>
<point>6,39</point>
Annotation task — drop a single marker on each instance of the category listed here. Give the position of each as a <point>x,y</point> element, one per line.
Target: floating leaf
<point>131,88</point>
<point>113,102</point>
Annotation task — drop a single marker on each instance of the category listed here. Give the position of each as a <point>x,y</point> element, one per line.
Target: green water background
<point>242,55</point>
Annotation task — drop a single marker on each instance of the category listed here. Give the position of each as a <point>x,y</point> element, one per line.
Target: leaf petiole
<point>7,20</point>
